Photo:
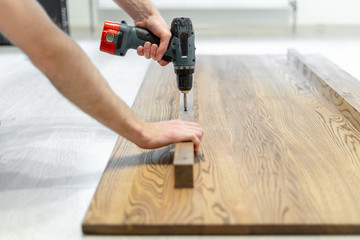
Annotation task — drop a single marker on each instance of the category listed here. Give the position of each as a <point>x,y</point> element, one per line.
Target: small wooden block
<point>183,165</point>
<point>184,151</point>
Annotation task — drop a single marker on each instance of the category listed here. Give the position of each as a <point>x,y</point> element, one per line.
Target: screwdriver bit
<point>185,102</point>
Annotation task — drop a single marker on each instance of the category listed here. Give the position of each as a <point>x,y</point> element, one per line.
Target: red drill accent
<point>109,28</point>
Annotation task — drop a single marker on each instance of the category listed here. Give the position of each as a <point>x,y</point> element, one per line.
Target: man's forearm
<point>66,65</point>
<point>137,9</point>
<point>78,80</point>
<point>72,73</point>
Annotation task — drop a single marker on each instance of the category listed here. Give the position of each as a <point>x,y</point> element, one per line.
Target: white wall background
<point>78,13</point>
<point>329,12</point>
<point>310,13</point>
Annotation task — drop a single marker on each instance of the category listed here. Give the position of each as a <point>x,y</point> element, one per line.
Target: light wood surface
<point>184,152</point>
<point>276,158</point>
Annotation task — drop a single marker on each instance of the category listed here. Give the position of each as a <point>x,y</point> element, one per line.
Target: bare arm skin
<point>146,16</point>
<point>73,74</point>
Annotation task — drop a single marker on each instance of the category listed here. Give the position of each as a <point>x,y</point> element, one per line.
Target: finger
<point>163,63</point>
<point>185,123</point>
<point>140,51</point>
<point>164,43</point>
<point>199,134</point>
<point>198,130</point>
<point>154,48</point>
<point>196,145</point>
<point>196,150</point>
<point>193,135</point>
<point>147,47</point>
<point>187,136</point>
<point>192,124</point>
<point>188,125</point>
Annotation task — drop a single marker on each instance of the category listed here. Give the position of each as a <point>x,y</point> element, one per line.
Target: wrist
<point>144,19</point>
<point>139,10</point>
<point>139,135</point>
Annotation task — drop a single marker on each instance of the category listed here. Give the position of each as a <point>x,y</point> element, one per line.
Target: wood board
<point>277,157</point>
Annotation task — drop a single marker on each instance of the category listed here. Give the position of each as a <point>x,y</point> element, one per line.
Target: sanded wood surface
<point>184,151</point>
<point>276,158</point>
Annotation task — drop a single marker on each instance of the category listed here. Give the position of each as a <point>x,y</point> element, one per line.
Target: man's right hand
<point>146,16</point>
<point>156,24</point>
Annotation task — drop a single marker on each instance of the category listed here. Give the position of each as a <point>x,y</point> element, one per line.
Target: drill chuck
<point>184,78</point>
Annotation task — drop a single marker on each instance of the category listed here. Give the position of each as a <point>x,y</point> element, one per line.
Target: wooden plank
<point>184,152</point>
<point>276,158</point>
<point>336,86</point>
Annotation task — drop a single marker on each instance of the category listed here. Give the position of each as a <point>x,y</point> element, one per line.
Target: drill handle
<point>131,37</point>
<point>144,35</point>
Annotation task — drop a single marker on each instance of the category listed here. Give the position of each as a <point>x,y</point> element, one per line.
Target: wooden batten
<point>184,151</point>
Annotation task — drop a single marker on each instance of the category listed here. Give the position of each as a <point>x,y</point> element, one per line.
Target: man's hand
<point>146,16</point>
<point>156,25</point>
<point>159,134</point>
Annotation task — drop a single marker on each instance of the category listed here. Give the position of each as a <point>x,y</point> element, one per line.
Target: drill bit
<point>185,103</point>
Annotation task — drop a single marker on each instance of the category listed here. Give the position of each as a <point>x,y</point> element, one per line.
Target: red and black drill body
<point>117,38</point>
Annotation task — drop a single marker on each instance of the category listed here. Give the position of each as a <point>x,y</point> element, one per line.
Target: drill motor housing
<point>117,38</point>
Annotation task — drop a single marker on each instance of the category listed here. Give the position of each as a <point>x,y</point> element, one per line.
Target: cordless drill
<point>117,38</point>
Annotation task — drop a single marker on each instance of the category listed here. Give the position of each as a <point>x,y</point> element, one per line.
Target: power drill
<point>117,38</point>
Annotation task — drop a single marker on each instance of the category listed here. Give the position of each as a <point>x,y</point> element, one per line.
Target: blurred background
<point>234,17</point>
<point>328,27</point>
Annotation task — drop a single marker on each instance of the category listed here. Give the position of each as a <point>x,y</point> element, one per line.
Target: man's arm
<point>73,74</point>
<point>146,16</point>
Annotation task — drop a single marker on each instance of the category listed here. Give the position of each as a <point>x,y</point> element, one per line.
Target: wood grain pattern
<point>337,86</point>
<point>276,158</point>
<point>339,80</point>
<point>184,152</point>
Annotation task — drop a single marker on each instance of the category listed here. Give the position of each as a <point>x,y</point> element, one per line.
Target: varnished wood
<point>184,152</point>
<point>337,87</point>
<point>276,158</point>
